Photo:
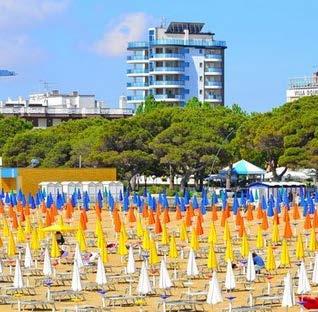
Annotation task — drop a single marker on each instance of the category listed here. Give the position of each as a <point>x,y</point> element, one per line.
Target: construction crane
<point>6,73</point>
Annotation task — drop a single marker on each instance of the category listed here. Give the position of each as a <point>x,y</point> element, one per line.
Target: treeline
<point>169,141</point>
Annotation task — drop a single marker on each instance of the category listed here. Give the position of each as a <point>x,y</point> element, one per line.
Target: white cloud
<point>16,18</point>
<point>15,13</point>
<point>129,27</point>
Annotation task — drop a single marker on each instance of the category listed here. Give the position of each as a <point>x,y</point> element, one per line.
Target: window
<point>186,50</point>
<point>201,78</point>
<point>201,64</point>
<point>186,91</point>
<point>201,92</point>
<point>200,51</point>
<point>186,64</point>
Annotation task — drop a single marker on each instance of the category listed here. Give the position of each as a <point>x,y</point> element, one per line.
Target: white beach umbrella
<point>47,265</point>
<point>76,278</point>
<point>192,268</point>
<point>18,278</point>
<point>250,270</point>
<point>100,274</point>
<point>229,277</point>
<point>315,271</point>
<point>288,295</point>
<point>164,278</point>
<point>144,285</point>
<point>28,261</point>
<point>131,269</point>
<point>303,282</point>
<point>214,293</point>
<point>78,256</point>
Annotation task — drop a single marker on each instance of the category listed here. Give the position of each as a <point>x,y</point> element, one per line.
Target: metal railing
<point>214,83</point>
<point>190,42</point>
<point>167,55</point>
<point>138,44</point>
<point>214,56</point>
<point>214,70</point>
<point>167,69</point>
<point>137,84</point>
<point>167,83</point>
<point>137,58</point>
<point>137,71</point>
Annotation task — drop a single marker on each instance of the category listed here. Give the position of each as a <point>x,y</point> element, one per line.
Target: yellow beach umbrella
<point>173,252</point>
<point>183,232</point>
<point>103,253</point>
<point>55,250</point>
<point>5,229</point>
<point>146,240</point>
<point>275,233</point>
<point>101,240</point>
<point>139,229</point>
<point>259,238</point>
<point>98,227</point>
<point>164,235</point>
<point>11,249</point>
<point>122,249</point>
<point>312,240</point>
<point>212,260</point>
<point>270,264</point>
<point>34,241</point>
<point>153,255</point>
<point>212,236</point>
<point>1,243</point>
<point>245,249</point>
<point>20,234</point>
<point>124,232</point>
<point>59,226</point>
<point>194,241</point>
<point>284,256</point>
<point>80,238</point>
<point>28,227</point>
<point>41,234</point>
<point>229,254</point>
<point>299,248</point>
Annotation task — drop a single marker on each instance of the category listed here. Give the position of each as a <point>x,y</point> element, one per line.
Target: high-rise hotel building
<point>175,64</point>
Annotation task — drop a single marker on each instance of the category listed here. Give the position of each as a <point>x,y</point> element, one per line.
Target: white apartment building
<point>175,64</point>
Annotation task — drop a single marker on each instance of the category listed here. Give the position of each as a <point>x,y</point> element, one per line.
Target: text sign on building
<point>302,92</point>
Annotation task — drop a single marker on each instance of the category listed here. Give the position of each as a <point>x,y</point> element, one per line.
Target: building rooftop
<point>304,82</point>
<point>180,27</point>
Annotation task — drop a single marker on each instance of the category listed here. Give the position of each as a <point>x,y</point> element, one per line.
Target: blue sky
<point>80,44</point>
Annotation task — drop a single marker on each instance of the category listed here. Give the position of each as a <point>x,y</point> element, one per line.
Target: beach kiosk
<point>91,187</point>
<point>69,187</point>
<point>114,187</point>
<point>267,189</point>
<point>51,188</point>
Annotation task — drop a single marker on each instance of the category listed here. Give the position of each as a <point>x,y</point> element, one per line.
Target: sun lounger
<point>33,305</point>
<point>194,295</point>
<point>119,300</point>
<point>264,300</point>
<point>180,305</point>
<point>5,299</point>
<point>6,278</point>
<point>248,309</point>
<point>82,308</point>
<point>93,286</point>
<point>30,291</point>
<point>62,295</point>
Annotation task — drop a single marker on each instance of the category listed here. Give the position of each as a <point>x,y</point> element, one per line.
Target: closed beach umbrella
<point>192,269</point>
<point>28,261</point>
<point>315,271</point>
<point>229,277</point>
<point>164,278</point>
<point>250,270</point>
<point>144,286</point>
<point>131,261</point>
<point>288,295</point>
<point>100,274</point>
<point>76,278</point>
<point>303,282</point>
<point>18,278</point>
<point>214,293</point>
<point>78,257</point>
<point>47,266</point>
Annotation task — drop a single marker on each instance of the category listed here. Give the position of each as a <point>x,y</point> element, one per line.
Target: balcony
<point>167,83</point>
<point>137,71</point>
<point>213,98</point>
<point>135,98</point>
<point>217,57</point>
<point>167,69</point>
<point>137,84</point>
<point>214,70</point>
<point>168,97</point>
<point>137,59</point>
<point>213,84</point>
<point>167,56</point>
<point>192,42</point>
<point>138,45</point>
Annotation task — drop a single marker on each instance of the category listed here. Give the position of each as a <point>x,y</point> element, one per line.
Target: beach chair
<point>27,291</point>
<point>82,308</point>
<point>64,295</point>
<point>34,305</point>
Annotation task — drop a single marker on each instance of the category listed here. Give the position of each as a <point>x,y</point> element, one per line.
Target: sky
<point>81,45</point>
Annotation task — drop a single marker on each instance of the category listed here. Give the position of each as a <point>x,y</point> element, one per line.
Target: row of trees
<point>160,140</point>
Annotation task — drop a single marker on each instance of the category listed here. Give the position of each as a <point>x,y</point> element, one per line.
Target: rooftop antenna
<point>46,85</point>
<point>163,22</point>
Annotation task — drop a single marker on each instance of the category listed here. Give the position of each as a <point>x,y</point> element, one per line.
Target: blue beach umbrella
<point>235,205</point>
